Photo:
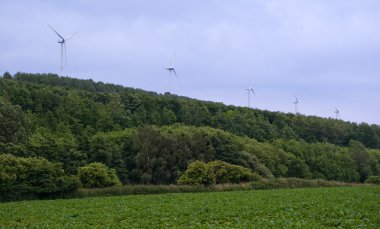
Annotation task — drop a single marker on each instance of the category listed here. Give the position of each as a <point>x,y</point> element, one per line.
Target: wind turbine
<point>249,90</point>
<point>172,71</point>
<point>337,113</point>
<point>296,104</point>
<point>63,41</point>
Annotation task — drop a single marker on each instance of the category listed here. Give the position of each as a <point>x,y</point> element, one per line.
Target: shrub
<point>22,178</point>
<point>197,173</point>
<point>97,175</point>
<point>216,172</point>
<point>227,173</point>
<point>373,180</point>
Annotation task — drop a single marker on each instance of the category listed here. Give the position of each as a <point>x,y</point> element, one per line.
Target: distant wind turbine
<point>249,90</point>
<point>172,71</point>
<point>337,113</point>
<point>62,41</point>
<point>296,105</point>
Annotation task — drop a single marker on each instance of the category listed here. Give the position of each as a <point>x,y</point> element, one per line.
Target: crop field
<point>345,207</point>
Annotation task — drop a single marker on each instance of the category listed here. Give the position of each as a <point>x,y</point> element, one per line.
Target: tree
<point>7,75</point>
<point>146,141</point>
<point>14,124</point>
<point>168,117</point>
<point>361,157</point>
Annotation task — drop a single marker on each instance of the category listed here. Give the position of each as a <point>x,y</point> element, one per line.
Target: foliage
<point>7,75</point>
<point>373,180</point>
<point>280,183</point>
<point>362,159</point>
<point>344,207</point>
<point>198,173</point>
<point>84,102</point>
<point>215,172</point>
<point>97,175</point>
<point>14,124</point>
<point>227,173</point>
<point>150,138</point>
<point>295,183</point>
<point>32,178</point>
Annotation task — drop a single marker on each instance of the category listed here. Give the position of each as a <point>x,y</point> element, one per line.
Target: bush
<point>24,178</point>
<point>216,172</point>
<point>373,180</point>
<point>197,173</point>
<point>227,173</point>
<point>97,175</point>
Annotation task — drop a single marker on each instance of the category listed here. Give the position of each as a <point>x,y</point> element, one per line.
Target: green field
<point>356,207</point>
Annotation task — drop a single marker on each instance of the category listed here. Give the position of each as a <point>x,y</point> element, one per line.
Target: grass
<point>161,189</point>
<point>346,207</point>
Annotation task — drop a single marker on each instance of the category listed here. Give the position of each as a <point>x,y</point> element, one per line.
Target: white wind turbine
<point>172,71</point>
<point>249,90</point>
<point>296,105</point>
<point>337,113</point>
<point>63,41</point>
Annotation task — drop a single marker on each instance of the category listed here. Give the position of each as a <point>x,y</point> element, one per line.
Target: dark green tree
<point>14,124</point>
<point>7,76</point>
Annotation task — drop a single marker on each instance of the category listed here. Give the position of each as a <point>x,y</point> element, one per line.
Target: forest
<point>150,138</point>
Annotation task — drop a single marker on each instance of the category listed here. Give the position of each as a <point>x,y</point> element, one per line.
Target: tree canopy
<point>149,138</point>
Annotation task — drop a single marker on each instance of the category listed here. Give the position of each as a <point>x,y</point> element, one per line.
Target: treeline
<point>160,155</point>
<point>85,107</point>
<point>148,138</point>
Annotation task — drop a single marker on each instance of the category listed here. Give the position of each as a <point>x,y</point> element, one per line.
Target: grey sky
<point>325,52</point>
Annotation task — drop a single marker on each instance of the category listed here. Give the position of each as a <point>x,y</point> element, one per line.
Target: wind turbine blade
<point>56,32</point>
<point>71,36</point>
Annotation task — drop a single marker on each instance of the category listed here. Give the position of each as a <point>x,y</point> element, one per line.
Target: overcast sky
<point>325,52</point>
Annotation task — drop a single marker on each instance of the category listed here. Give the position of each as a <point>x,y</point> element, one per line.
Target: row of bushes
<point>25,178</point>
<point>264,184</point>
<point>296,183</point>
<point>36,178</point>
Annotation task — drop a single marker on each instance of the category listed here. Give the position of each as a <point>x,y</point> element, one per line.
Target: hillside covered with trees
<point>149,138</point>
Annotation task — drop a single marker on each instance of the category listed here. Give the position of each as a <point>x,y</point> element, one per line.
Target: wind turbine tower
<point>296,105</point>
<point>337,113</point>
<point>249,90</point>
<point>62,41</point>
